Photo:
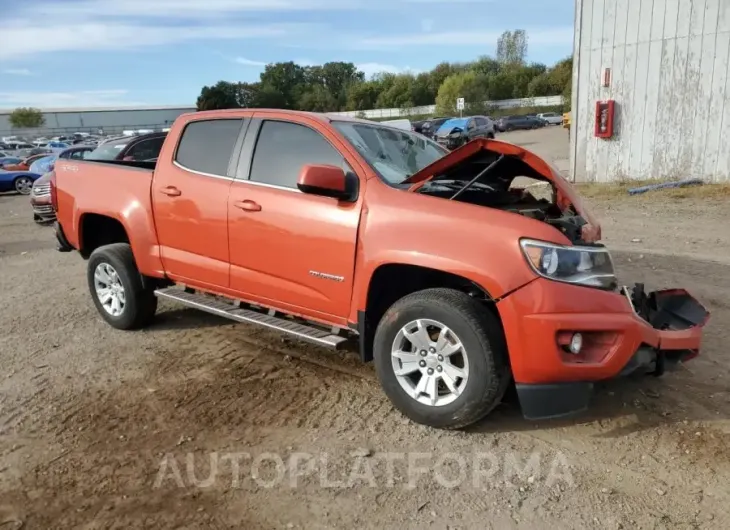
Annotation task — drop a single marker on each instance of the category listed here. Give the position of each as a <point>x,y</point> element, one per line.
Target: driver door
<point>288,249</point>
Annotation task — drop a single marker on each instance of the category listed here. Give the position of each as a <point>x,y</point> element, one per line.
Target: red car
<point>24,165</point>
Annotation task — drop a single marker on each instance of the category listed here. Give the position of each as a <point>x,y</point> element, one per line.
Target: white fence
<point>544,101</point>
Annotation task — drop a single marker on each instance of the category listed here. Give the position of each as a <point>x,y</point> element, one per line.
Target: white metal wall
<point>669,62</point>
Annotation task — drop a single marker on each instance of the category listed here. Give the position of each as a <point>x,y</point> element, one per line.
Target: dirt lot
<point>198,423</point>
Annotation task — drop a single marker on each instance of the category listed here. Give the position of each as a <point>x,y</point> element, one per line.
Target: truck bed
<point>117,189</point>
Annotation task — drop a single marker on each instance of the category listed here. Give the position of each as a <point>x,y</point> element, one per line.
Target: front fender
<point>477,243</point>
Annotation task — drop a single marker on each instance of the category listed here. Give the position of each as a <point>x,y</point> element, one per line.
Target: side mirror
<point>328,181</point>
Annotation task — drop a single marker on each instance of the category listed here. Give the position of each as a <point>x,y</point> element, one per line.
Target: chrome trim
<point>265,185</point>
<point>201,173</point>
<point>326,276</point>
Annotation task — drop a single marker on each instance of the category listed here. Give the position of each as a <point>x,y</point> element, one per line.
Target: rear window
<point>206,146</point>
<point>109,150</point>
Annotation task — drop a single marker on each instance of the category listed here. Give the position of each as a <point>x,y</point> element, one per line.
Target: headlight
<point>455,134</point>
<point>589,266</point>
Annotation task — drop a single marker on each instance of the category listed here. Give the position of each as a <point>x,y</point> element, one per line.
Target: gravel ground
<point>198,423</point>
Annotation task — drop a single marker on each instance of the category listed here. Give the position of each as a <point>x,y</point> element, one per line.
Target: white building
<point>666,65</point>
<point>110,119</point>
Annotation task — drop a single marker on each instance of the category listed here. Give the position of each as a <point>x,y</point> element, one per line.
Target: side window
<point>78,155</point>
<point>207,146</point>
<point>282,150</point>
<point>481,122</point>
<point>471,125</point>
<point>145,149</point>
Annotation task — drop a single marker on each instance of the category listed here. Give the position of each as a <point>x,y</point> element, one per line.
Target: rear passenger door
<point>190,200</point>
<point>291,250</point>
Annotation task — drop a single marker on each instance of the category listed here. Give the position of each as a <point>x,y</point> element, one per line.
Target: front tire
<point>117,289</point>
<point>441,358</point>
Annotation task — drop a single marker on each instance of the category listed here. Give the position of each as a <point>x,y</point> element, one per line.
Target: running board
<point>232,311</point>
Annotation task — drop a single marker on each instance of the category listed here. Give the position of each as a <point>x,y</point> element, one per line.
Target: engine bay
<point>506,183</point>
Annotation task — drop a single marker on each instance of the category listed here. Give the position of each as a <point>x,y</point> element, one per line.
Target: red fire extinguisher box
<point>604,118</point>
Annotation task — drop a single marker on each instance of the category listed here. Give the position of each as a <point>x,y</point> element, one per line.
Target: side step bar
<point>232,311</point>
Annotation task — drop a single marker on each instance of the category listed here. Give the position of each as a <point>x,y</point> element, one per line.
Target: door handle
<point>171,191</point>
<point>247,206</point>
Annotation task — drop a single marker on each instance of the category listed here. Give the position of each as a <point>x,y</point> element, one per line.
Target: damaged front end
<point>678,319</point>
<point>488,172</point>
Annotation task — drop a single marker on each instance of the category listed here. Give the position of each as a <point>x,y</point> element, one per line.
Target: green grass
<point>595,190</point>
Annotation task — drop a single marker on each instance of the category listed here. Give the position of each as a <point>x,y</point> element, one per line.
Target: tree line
<point>340,86</point>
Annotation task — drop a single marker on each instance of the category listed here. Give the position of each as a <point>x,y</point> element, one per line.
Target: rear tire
<point>117,289</point>
<point>481,358</point>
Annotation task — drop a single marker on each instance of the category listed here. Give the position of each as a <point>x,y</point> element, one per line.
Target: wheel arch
<point>96,230</point>
<point>392,281</point>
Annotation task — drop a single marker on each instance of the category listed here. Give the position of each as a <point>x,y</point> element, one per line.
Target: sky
<point>86,53</point>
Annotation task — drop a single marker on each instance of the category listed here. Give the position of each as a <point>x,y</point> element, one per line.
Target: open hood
<point>566,196</point>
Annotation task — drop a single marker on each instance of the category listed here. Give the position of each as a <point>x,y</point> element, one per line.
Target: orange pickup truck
<point>454,278</point>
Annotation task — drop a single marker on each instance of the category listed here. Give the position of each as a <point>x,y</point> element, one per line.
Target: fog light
<point>576,343</point>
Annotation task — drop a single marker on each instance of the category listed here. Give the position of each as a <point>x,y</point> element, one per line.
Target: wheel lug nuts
<point>432,350</point>
<point>423,353</point>
<point>441,358</point>
<point>439,369</point>
<point>422,364</point>
<point>430,371</point>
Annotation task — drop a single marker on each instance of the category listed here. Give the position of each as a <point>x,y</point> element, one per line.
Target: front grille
<point>42,189</point>
<point>44,210</point>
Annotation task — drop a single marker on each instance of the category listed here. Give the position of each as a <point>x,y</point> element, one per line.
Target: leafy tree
<point>340,86</point>
<point>286,79</point>
<point>512,47</point>
<point>467,85</point>
<point>363,96</point>
<point>397,91</point>
<point>27,118</point>
<point>541,85</point>
<point>318,99</point>
<point>500,86</point>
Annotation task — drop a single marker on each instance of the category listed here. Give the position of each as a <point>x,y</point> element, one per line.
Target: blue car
<point>57,146</point>
<point>43,165</point>
<point>20,181</point>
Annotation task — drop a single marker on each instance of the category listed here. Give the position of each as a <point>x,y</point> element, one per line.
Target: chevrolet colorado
<point>454,278</point>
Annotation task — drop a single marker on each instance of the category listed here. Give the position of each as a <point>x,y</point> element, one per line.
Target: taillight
<point>54,196</point>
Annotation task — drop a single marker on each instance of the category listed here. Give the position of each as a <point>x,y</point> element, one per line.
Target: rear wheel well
<point>392,282</point>
<point>99,230</point>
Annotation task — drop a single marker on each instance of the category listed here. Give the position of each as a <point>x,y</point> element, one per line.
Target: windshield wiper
<point>475,179</point>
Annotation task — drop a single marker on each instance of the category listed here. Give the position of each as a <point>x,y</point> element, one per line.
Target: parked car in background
<point>129,148</point>
<point>512,123</point>
<point>429,128</point>
<point>9,160</point>
<point>76,152</point>
<point>16,145</point>
<point>19,181</point>
<point>418,125</point>
<point>404,124</point>
<point>24,164</point>
<point>43,165</point>
<point>39,151</point>
<point>456,132</point>
<point>40,195</point>
<point>40,200</point>
<point>57,146</point>
<point>553,118</point>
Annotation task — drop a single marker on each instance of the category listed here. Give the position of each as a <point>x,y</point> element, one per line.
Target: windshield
<point>108,151</point>
<point>394,154</point>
